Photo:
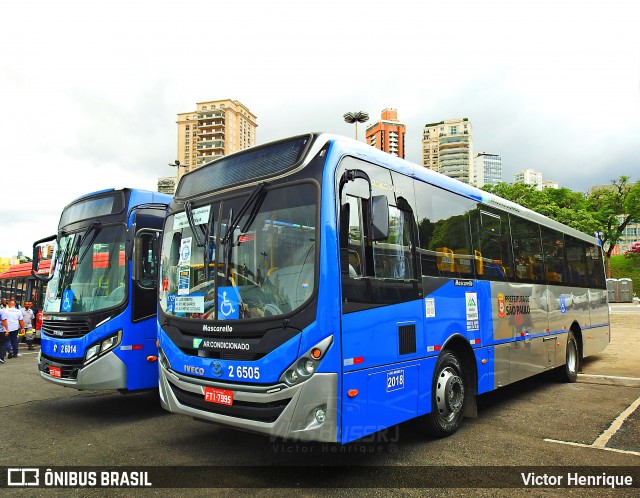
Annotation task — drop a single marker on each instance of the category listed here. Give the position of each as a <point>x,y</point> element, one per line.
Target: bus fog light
<point>320,415</point>
<point>92,352</point>
<point>292,376</point>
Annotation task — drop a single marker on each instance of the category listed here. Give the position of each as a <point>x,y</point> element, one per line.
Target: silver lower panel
<point>297,421</point>
<point>107,372</point>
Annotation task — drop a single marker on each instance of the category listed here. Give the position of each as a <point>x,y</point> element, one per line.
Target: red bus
<point>17,281</point>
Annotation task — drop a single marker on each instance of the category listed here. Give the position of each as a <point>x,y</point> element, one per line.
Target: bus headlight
<point>100,348</point>
<point>306,365</point>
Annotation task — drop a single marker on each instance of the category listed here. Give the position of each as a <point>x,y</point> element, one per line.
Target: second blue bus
<point>99,312</point>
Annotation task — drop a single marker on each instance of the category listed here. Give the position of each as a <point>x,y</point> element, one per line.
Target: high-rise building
<point>388,133</point>
<point>447,147</point>
<point>487,169</point>
<point>529,177</point>
<point>216,128</point>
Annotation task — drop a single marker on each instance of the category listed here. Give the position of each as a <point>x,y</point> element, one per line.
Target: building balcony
<point>211,124</point>
<point>211,144</point>
<point>209,115</point>
<point>456,139</point>
<point>207,134</point>
<point>207,158</point>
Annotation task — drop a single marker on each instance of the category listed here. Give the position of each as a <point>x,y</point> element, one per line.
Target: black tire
<point>447,398</point>
<point>569,372</point>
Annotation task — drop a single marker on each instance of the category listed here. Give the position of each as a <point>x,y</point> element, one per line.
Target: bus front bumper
<point>107,372</point>
<point>304,412</point>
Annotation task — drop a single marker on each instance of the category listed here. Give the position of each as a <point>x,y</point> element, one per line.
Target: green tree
<point>614,207</point>
<point>563,205</point>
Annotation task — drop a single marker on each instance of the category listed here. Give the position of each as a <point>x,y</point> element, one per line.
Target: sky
<point>90,89</point>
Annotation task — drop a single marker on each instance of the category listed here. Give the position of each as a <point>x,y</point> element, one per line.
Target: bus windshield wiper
<point>192,224</point>
<point>243,209</point>
<point>94,227</point>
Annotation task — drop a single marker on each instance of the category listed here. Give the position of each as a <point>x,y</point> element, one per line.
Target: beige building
<point>447,147</point>
<point>215,129</point>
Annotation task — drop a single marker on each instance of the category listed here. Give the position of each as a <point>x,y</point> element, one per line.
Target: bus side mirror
<point>379,217</point>
<point>145,257</point>
<point>43,250</point>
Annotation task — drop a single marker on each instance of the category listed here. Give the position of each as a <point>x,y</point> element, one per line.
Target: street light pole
<point>355,118</point>
<point>177,166</point>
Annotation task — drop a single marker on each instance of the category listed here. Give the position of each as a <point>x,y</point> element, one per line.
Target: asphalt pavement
<point>619,363</point>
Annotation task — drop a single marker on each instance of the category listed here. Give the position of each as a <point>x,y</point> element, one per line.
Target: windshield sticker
<point>473,319</point>
<point>183,280</point>
<point>228,303</point>
<point>200,217</point>
<point>185,251</point>
<point>67,300</point>
<point>189,304</point>
<point>171,303</point>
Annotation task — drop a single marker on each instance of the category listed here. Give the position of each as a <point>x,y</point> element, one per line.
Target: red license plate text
<point>220,396</point>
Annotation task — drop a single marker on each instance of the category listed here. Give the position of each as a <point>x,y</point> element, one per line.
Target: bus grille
<point>69,369</point>
<point>260,412</point>
<point>66,329</point>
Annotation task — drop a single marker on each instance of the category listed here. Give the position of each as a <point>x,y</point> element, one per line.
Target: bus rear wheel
<point>447,398</point>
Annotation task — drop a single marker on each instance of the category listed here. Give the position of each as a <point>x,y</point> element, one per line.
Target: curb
<point>609,380</point>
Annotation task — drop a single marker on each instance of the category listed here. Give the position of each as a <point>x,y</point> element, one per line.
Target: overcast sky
<point>90,89</point>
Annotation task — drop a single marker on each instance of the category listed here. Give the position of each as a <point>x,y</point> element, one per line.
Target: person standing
<point>29,319</point>
<point>15,324</point>
<point>3,303</point>
<point>4,333</point>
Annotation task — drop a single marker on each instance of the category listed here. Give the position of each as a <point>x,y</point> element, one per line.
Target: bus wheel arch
<point>454,389</point>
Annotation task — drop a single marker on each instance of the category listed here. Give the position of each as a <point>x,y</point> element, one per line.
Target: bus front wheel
<point>447,398</point>
<point>569,373</point>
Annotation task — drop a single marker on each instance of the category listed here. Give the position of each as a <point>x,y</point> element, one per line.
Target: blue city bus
<point>316,288</point>
<point>99,313</point>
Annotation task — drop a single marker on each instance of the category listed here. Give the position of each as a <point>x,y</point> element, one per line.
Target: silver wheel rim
<point>572,357</point>
<point>449,393</point>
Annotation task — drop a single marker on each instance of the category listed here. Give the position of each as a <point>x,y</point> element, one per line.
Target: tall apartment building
<point>529,177</point>
<point>216,128</point>
<point>388,133</point>
<point>447,147</point>
<point>487,169</point>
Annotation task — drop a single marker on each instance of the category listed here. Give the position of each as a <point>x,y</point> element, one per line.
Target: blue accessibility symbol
<point>67,300</point>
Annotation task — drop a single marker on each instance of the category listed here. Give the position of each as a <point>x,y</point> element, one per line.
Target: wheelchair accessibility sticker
<point>67,300</point>
<point>228,303</point>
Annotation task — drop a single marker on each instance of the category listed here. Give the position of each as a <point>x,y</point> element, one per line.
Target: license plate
<point>219,396</point>
<point>55,372</point>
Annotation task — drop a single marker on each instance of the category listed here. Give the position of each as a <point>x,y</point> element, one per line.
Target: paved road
<point>535,422</point>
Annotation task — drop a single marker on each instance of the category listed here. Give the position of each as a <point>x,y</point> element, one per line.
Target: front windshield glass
<point>267,267</point>
<point>89,271</point>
